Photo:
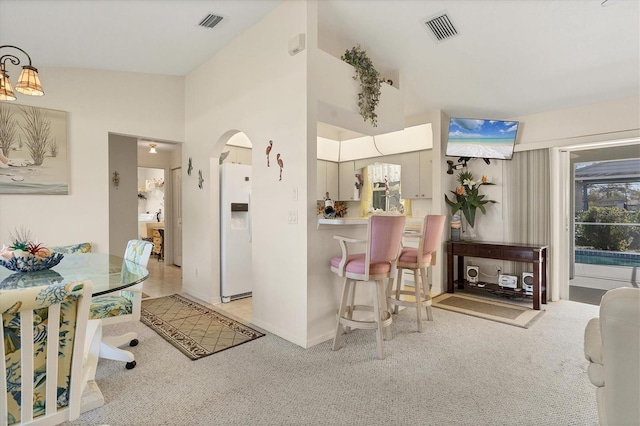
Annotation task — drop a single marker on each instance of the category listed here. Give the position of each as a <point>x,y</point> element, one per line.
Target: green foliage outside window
<point>612,237</point>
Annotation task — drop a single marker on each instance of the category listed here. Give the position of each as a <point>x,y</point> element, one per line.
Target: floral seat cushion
<point>39,299</point>
<point>111,305</point>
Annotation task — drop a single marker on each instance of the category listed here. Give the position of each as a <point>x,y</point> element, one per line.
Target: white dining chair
<point>123,306</point>
<point>50,353</point>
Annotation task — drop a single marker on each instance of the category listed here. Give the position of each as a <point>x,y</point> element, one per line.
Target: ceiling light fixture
<point>28,83</point>
<point>153,148</point>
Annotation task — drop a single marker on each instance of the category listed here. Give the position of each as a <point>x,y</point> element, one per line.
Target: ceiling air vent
<point>441,27</point>
<point>210,21</point>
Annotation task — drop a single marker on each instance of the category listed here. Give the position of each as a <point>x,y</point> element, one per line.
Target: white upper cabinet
<point>417,170</point>
<point>237,155</point>
<point>426,174</point>
<point>410,180</point>
<point>327,174</point>
<point>347,175</point>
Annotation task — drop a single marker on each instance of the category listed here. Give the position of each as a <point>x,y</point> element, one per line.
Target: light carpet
<point>196,330</point>
<point>461,370</point>
<point>506,313</point>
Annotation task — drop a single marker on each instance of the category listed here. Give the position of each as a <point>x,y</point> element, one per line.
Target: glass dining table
<point>106,272</point>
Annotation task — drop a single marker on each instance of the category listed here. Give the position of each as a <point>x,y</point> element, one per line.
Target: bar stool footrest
<point>365,324</point>
<point>424,301</point>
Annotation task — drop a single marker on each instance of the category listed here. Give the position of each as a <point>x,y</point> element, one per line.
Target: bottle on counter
<point>329,207</point>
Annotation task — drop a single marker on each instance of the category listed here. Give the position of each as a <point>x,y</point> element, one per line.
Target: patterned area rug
<point>506,313</point>
<point>197,331</point>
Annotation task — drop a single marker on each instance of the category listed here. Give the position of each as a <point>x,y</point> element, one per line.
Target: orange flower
<point>460,190</point>
<point>484,179</point>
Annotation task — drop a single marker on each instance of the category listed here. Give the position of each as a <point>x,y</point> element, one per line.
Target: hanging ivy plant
<point>369,79</point>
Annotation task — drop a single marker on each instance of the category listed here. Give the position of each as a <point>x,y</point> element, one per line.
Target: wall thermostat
<point>296,44</point>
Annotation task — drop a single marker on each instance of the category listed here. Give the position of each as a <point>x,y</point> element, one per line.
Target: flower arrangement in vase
<point>468,198</point>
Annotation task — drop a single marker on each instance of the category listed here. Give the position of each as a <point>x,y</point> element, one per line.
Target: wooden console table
<point>535,254</point>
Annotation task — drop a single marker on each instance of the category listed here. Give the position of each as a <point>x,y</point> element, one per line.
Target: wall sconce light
<point>116,179</point>
<point>28,82</point>
<point>152,150</point>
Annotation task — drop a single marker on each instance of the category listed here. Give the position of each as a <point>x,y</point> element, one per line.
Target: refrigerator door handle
<point>249,218</point>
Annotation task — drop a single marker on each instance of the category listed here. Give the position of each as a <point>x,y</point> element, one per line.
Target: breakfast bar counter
<point>361,221</point>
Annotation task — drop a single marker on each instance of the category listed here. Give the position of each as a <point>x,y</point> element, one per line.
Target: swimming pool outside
<point>600,257</point>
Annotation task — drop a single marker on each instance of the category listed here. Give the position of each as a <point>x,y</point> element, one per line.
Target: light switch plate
<point>293,217</point>
<point>294,193</point>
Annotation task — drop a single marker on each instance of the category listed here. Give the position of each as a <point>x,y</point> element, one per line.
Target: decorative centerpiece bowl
<point>26,255</point>
<point>31,263</point>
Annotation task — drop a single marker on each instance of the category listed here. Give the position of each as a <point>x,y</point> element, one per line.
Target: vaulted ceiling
<point>509,58</point>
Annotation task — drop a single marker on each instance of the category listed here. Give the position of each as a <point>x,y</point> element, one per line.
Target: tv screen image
<point>472,138</point>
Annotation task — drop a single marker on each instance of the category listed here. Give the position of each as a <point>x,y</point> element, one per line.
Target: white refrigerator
<point>235,232</point>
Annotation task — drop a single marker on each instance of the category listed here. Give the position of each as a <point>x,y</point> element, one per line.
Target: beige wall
<point>123,211</point>
<point>254,86</point>
<point>97,102</point>
<point>609,120</point>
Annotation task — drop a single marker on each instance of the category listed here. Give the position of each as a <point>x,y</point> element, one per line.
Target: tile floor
<point>591,282</point>
<point>165,280</point>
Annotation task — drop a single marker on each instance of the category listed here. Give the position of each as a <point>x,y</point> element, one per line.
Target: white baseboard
<point>91,397</point>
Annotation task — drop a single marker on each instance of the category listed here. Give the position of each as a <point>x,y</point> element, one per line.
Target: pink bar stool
<point>418,260</point>
<point>374,266</point>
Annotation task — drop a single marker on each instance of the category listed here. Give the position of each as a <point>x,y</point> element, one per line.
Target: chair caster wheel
<point>134,342</point>
<point>130,365</point>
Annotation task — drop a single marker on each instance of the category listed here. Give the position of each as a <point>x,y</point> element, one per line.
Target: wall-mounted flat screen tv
<point>473,138</point>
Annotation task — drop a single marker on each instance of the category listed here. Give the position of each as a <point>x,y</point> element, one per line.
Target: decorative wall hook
<point>280,163</point>
<point>189,167</point>
<point>116,179</point>
<point>200,179</point>
<point>269,151</point>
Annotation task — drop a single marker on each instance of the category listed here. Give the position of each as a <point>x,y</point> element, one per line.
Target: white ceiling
<point>510,58</point>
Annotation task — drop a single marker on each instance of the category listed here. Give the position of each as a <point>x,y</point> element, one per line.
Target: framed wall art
<point>34,151</point>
